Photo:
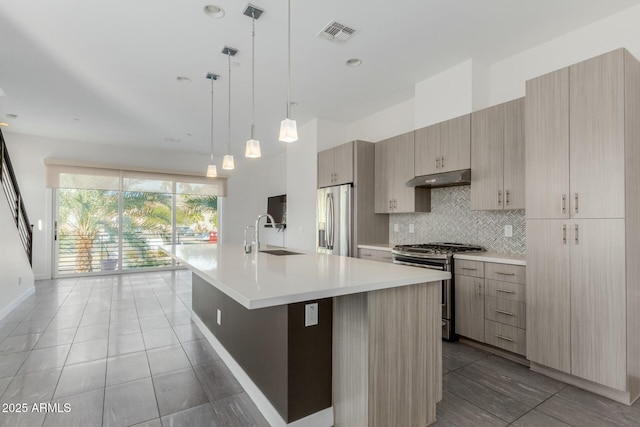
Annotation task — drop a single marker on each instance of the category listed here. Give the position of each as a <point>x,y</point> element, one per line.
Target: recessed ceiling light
<point>183,79</point>
<point>353,62</point>
<point>4,125</point>
<point>214,11</point>
<point>12,116</point>
<point>76,119</point>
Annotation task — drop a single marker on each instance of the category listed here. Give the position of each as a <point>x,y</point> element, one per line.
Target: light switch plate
<point>508,231</point>
<point>395,228</point>
<point>311,314</point>
<point>219,317</point>
<point>412,228</point>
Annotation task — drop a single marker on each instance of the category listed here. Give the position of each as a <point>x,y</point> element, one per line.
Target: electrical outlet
<point>219,317</point>
<point>395,228</point>
<point>508,231</point>
<point>412,228</point>
<point>311,314</point>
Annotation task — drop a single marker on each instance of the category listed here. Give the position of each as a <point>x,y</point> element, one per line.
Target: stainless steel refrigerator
<point>334,220</point>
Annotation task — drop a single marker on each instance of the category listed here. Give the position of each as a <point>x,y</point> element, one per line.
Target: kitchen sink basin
<point>280,252</point>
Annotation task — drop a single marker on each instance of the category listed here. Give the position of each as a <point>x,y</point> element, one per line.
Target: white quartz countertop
<point>377,246</point>
<point>263,280</point>
<point>494,257</point>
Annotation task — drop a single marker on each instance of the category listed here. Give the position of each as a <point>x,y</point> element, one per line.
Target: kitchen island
<point>371,355</point>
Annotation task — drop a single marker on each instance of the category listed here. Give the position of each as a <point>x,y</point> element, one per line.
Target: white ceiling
<point>105,71</point>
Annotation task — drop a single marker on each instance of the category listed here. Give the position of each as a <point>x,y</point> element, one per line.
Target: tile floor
<point>122,351</point>
<point>118,351</point>
<point>481,389</point>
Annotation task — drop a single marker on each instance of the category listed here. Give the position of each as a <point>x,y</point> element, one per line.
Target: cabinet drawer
<point>506,337</point>
<point>505,290</point>
<point>505,311</point>
<point>469,268</point>
<point>505,272</point>
<point>374,255</point>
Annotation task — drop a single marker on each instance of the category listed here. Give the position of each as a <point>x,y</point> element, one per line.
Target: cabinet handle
<point>499,197</point>
<point>437,162</point>
<point>505,291</point>
<point>366,254</point>
<point>576,228</point>
<point>505,274</point>
<point>504,312</point>
<point>563,204</point>
<point>575,205</point>
<point>479,289</point>
<point>390,204</point>
<point>395,203</point>
<point>506,197</point>
<point>442,161</point>
<point>504,338</point>
<point>468,268</point>
<point>564,234</point>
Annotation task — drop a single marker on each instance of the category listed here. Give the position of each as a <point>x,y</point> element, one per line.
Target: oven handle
<point>430,267</point>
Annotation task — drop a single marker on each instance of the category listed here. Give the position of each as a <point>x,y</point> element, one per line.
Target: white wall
<point>619,30</point>
<point>16,276</point>
<point>302,176</point>
<point>389,122</point>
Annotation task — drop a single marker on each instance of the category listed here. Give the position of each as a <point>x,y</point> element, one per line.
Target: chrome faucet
<point>273,222</point>
<point>247,245</point>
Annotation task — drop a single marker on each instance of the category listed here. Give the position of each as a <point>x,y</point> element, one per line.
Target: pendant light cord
<point>253,72</point>
<point>211,120</point>
<point>229,107</point>
<point>289,59</point>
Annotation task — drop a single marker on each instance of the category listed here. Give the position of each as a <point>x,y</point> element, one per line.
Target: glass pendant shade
<point>253,149</point>
<point>228,163</point>
<point>212,171</point>
<point>288,130</point>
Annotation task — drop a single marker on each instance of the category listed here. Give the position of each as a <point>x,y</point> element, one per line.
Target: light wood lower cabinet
<point>488,310</point>
<point>469,298</point>
<point>380,255</point>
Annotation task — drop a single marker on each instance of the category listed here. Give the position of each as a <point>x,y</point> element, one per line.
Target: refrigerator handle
<point>327,221</point>
<point>331,211</point>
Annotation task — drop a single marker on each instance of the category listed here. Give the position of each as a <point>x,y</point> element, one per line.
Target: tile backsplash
<point>452,220</point>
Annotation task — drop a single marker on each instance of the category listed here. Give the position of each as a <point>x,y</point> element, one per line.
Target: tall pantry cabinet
<point>583,224</point>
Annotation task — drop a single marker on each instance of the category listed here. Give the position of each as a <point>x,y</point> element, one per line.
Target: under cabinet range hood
<point>445,179</point>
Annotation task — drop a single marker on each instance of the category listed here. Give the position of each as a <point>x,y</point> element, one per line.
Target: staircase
<point>14,198</point>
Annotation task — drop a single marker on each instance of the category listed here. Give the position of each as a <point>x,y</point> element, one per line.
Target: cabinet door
<point>325,168</point>
<point>469,307</point>
<point>598,302</point>
<point>382,197</point>
<point>403,170</point>
<point>548,294</point>
<point>455,144</point>
<point>547,146</point>
<point>343,161</point>
<point>427,153</point>
<point>487,135</point>
<point>597,137</point>
<point>514,154</point>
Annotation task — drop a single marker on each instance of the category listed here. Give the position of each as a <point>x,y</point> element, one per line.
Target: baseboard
<point>602,390</point>
<point>16,302</point>
<point>323,418</point>
<point>42,277</point>
<point>497,351</point>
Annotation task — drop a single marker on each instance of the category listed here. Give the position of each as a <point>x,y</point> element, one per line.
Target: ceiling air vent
<point>336,32</point>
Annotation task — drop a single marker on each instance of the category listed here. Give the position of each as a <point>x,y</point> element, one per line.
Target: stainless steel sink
<point>280,252</point>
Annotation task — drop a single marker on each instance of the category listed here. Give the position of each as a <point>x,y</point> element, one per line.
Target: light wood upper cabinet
<point>394,167</point>
<point>335,166</point>
<point>548,294</point>
<point>470,307</point>
<point>575,141</point>
<point>443,147</point>
<point>547,146</point>
<point>596,118</point>
<point>497,157</point>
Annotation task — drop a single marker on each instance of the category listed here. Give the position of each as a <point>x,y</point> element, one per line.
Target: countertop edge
<point>494,257</point>
<point>377,246</point>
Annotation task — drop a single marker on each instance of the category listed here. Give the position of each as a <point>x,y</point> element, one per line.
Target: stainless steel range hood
<point>445,179</point>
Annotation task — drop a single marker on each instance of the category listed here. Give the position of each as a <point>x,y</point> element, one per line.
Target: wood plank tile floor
<point>481,389</point>
<point>115,351</point>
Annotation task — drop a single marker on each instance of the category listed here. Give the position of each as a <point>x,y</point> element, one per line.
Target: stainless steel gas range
<point>437,256</point>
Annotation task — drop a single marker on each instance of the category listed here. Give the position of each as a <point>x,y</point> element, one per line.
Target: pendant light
<point>227,161</point>
<point>212,170</point>
<point>288,127</point>
<point>253,145</point>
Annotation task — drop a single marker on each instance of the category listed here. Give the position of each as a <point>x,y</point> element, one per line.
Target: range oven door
<point>446,292</point>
